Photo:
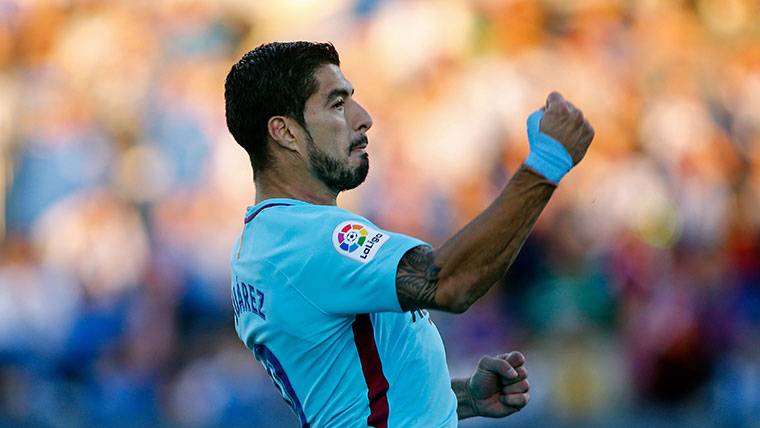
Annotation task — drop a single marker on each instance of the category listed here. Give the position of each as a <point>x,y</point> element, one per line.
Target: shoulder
<point>307,228</point>
<point>347,233</point>
<point>299,214</point>
<point>314,220</point>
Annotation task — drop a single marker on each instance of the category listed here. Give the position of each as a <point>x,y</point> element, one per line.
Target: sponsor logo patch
<point>358,241</point>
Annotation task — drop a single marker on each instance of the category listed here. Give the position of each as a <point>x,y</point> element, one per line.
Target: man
<point>335,307</point>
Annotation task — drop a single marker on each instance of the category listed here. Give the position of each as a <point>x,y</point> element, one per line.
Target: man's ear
<point>280,129</point>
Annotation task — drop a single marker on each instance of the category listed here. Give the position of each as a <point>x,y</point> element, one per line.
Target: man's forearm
<point>478,255</point>
<point>465,404</point>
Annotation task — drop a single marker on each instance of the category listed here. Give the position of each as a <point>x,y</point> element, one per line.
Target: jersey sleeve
<point>351,266</point>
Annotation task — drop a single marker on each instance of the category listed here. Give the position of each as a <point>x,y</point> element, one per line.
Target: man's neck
<point>270,186</point>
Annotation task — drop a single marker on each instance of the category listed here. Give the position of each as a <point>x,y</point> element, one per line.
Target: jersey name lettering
<point>247,298</point>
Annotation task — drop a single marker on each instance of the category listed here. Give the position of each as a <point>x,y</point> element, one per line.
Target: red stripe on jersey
<point>377,384</point>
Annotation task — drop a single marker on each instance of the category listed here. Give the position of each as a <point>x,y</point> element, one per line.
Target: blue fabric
<point>301,274</point>
<point>547,155</point>
<point>281,381</point>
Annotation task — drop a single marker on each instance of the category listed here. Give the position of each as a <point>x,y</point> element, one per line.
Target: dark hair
<point>275,79</point>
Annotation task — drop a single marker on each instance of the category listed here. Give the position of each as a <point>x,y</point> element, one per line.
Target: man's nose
<point>363,119</point>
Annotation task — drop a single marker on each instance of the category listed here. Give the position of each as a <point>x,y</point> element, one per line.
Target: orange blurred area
<point>636,297</point>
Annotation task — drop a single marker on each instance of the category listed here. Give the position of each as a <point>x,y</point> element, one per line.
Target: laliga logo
<point>351,237</point>
<point>358,241</point>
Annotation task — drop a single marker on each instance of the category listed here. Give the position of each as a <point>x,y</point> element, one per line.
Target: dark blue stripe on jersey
<point>255,213</point>
<point>272,363</point>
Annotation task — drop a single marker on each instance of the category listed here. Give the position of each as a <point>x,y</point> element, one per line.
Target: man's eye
<point>339,104</point>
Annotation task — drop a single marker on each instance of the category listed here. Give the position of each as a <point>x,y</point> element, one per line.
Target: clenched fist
<point>559,137</point>
<point>499,386</point>
<point>566,124</point>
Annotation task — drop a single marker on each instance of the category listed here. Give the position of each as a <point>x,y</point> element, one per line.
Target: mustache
<point>361,140</point>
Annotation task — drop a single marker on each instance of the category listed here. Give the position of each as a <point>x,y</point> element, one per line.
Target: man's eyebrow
<point>339,92</point>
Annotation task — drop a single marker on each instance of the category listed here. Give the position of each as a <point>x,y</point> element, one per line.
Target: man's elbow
<point>458,307</point>
<point>452,301</point>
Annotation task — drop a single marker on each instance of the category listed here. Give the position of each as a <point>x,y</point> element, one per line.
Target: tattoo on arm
<point>417,279</point>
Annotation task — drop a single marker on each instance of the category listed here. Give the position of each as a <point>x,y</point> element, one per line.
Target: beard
<point>337,174</point>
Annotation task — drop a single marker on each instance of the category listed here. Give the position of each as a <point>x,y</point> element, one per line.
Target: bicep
<point>417,279</point>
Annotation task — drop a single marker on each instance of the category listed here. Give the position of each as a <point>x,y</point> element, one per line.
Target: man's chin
<point>337,175</point>
<point>363,161</point>
<point>359,174</point>
<point>359,155</point>
<point>358,164</point>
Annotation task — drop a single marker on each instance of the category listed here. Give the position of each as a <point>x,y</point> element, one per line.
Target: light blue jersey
<point>314,295</point>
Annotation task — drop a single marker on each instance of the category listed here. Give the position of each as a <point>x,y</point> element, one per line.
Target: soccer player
<point>335,307</point>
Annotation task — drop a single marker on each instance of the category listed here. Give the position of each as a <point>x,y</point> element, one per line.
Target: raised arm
<point>454,276</point>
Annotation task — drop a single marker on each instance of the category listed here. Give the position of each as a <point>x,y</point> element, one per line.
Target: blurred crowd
<point>636,300</point>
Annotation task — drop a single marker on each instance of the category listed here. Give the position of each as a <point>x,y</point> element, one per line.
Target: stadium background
<point>636,299</point>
